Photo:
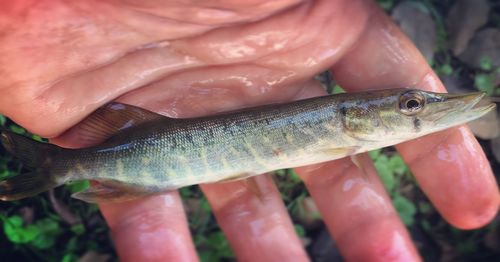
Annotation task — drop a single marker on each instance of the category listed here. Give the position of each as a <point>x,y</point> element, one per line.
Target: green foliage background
<point>36,229</point>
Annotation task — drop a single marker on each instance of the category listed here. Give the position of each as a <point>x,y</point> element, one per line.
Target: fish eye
<point>411,102</point>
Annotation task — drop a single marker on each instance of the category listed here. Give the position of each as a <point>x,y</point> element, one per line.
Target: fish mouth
<point>477,102</point>
<point>455,109</point>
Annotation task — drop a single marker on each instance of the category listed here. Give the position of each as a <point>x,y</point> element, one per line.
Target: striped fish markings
<point>145,153</point>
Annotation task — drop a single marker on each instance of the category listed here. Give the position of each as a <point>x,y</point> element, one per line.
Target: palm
<point>62,61</point>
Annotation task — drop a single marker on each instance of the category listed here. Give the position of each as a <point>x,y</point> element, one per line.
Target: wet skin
<point>61,61</point>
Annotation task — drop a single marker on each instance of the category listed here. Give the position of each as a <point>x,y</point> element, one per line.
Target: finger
<point>150,229</point>
<point>357,211</point>
<point>253,216</point>
<point>255,221</point>
<point>450,166</point>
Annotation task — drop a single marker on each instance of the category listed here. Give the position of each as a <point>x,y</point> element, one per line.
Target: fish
<point>145,153</point>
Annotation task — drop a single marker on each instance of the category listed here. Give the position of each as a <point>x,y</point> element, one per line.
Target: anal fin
<point>253,186</point>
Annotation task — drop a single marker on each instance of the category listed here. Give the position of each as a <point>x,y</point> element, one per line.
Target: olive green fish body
<point>171,153</point>
<point>162,153</point>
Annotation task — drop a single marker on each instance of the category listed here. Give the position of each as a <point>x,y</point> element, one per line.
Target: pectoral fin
<point>109,192</point>
<point>236,177</point>
<point>253,186</point>
<point>357,162</point>
<point>250,182</point>
<point>341,151</point>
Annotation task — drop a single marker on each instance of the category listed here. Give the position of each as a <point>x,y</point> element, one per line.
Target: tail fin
<point>35,156</point>
<point>32,153</point>
<point>25,185</point>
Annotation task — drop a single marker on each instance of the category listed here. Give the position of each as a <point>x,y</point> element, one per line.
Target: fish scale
<point>145,153</point>
<point>177,151</point>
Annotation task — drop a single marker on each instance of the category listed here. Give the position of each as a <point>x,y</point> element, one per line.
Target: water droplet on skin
<point>398,249</point>
<point>354,183</point>
<point>364,196</point>
<point>150,245</point>
<point>368,198</point>
<point>168,200</point>
<point>256,226</point>
<point>447,153</point>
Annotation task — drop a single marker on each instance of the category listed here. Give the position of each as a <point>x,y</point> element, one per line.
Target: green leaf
<point>431,62</point>
<point>484,82</point>
<point>293,176</point>
<point>382,158</point>
<point>92,208</point>
<point>387,177</point>
<point>386,4</point>
<point>219,243</point>
<point>11,227</point>
<point>204,205</point>
<point>43,242</point>
<point>299,229</point>
<point>207,256</point>
<point>2,120</point>
<point>199,239</point>
<point>338,90</point>
<point>48,225</point>
<point>77,186</point>
<point>17,129</point>
<point>49,230</point>
<point>485,63</point>
<point>375,153</point>
<point>17,233</point>
<point>185,192</point>
<point>78,229</point>
<point>69,258</point>
<point>280,172</point>
<point>445,70</point>
<point>72,244</point>
<point>38,138</point>
<point>385,173</point>
<point>424,207</point>
<point>406,209</point>
<point>4,173</point>
<point>397,165</point>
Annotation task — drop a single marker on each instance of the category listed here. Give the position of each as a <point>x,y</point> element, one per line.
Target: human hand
<point>61,61</point>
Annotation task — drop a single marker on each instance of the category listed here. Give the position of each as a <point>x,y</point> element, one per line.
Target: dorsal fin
<point>109,120</point>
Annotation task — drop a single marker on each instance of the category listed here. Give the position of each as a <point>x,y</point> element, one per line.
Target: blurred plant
<point>485,79</point>
<point>392,171</point>
<point>386,4</point>
<point>444,70</point>
<point>214,247</point>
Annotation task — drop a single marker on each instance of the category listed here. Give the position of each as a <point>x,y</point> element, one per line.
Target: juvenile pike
<point>147,153</point>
